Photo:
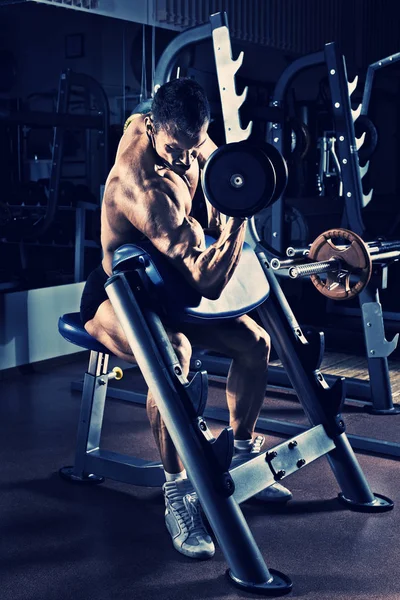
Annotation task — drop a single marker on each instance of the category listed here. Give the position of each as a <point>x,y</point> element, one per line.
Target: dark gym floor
<point>61,541</point>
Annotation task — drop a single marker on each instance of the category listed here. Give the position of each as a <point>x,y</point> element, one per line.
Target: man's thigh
<point>231,337</point>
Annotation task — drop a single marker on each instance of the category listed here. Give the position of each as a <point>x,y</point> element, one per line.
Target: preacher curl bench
<point>146,291</point>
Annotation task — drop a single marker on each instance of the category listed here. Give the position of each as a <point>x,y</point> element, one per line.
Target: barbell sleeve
<point>314,268</point>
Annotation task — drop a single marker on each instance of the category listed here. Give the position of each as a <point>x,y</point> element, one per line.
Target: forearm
<point>215,219</point>
<point>215,265</point>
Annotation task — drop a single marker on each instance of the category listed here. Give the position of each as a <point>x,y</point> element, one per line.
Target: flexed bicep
<point>162,216</point>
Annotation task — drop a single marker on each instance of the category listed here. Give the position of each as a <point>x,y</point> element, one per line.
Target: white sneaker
<point>184,521</point>
<point>274,493</point>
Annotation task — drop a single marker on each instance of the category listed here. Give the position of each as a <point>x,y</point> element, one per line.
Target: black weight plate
<point>280,168</point>
<point>238,179</point>
<point>300,131</point>
<point>361,125</point>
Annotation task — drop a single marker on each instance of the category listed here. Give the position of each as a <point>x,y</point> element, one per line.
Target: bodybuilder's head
<point>178,123</point>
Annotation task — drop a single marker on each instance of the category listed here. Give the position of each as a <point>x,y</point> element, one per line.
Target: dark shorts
<point>93,294</point>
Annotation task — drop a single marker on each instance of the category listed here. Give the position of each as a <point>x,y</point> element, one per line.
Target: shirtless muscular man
<point>148,194</point>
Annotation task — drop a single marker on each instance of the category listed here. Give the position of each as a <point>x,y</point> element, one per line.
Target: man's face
<point>178,149</point>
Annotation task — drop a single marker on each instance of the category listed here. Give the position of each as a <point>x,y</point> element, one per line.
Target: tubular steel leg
<point>90,419</point>
<point>247,566</point>
<point>377,349</point>
<point>381,389</point>
<point>342,460</point>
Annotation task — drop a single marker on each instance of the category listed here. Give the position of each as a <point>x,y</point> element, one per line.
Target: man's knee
<point>258,348</point>
<point>263,346</point>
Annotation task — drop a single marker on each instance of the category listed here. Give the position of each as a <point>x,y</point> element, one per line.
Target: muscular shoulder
<point>149,198</point>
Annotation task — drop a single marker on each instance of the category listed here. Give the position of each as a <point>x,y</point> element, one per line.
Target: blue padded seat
<point>71,328</point>
<point>247,289</point>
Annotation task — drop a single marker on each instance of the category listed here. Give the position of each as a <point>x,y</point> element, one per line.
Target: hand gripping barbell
<point>347,265</point>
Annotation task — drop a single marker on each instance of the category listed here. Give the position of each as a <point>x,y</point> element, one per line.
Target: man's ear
<point>149,125</point>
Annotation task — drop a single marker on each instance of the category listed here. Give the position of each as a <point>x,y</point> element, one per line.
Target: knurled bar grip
<point>314,268</point>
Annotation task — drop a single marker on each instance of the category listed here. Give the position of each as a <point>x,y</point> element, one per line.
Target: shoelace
<point>245,455</point>
<point>193,518</point>
<point>187,510</point>
<point>256,445</point>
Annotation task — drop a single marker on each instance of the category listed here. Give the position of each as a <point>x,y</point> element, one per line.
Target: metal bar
<point>333,264</point>
<point>276,132</point>
<point>277,263</point>
<point>381,391</point>
<point>383,256</point>
<point>313,268</point>
<point>369,79</point>
<point>223,513</point>
<point>170,55</point>
<point>90,421</point>
<point>97,413</point>
<point>226,71</point>
<point>346,142</point>
<point>298,65</point>
<point>279,462</point>
<point>276,290</point>
<point>121,467</point>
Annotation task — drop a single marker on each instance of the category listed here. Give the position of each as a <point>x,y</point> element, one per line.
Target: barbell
<point>239,179</point>
<point>338,262</point>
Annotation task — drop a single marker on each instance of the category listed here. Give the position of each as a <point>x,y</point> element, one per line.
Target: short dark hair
<point>180,105</point>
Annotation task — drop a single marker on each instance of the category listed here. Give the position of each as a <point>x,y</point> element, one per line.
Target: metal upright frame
<point>377,347</point>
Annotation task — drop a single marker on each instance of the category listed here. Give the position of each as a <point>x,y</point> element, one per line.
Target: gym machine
<point>143,287</point>
<point>28,217</point>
